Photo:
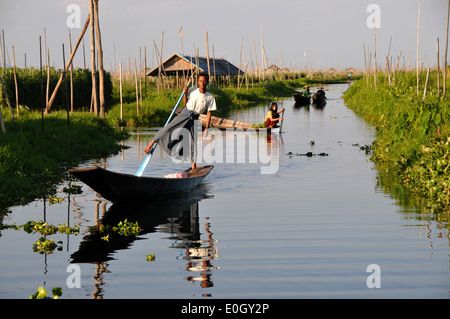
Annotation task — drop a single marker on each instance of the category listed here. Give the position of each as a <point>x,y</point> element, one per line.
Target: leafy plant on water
<point>123,228</point>
<point>46,246</point>
<point>41,293</point>
<point>44,228</point>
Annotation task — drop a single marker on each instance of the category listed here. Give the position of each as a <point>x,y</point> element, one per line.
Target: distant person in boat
<point>320,90</point>
<point>196,101</point>
<point>306,93</point>
<point>273,116</point>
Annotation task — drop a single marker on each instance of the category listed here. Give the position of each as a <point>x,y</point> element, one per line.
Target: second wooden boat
<point>300,99</point>
<point>223,124</point>
<point>319,99</point>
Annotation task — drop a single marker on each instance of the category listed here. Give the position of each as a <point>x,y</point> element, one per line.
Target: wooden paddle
<point>149,156</point>
<point>282,120</point>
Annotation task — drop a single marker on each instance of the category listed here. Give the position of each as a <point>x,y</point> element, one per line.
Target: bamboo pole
<point>375,57</point>
<point>205,35</point>
<point>4,47</point>
<point>417,55</point>
<point>48,80</point>
<point>71,74</point>
<point>438,72</point>
<point>445,54</point>
<point>93,66</point>
<point>121,93</point>
<point>45,47</point>
<point>366,71</point>
<point>65,85</point>
<point>137,92</point>
<point>256,58</point>
<point>1,52</point>
<point>426,85</point>
<point>15,81</point>
<point>52,98</point>
<point>42,84</point>
<point>101,76</point>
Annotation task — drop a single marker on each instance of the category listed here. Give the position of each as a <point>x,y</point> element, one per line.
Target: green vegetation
<point>413,134</point>
<point>32,162</point>
<point>29,88</point>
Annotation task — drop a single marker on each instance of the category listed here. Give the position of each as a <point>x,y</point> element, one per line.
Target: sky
<point>296,34</point>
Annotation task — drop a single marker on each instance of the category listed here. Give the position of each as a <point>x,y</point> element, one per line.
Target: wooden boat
<point>223,124</point>
<point>300,99</point>
<point>120,187</point>
<point>319,99</point>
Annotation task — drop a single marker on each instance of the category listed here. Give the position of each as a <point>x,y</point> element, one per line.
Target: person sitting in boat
<point>320,90</point>
<point>306,93</point>
<point>196,101</point>
<point>273,116</point>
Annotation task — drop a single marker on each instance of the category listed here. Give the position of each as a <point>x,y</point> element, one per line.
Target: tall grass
<point>413,134</point>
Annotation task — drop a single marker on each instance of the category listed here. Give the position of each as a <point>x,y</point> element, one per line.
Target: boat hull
<point>300,99</point>
<point>120,187</point>
<point>223,124</point>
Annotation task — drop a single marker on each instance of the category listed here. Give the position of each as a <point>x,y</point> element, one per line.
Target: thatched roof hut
<point>180,65</point>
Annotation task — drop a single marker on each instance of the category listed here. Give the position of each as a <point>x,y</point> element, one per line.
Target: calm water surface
<point>276,225</point>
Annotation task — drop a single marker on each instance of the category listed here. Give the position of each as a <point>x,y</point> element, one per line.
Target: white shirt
<point>200,102</point>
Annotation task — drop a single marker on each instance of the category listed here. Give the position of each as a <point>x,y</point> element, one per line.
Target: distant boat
<point>120,187</point>
<point>223,124</point>
<point>300,99</point>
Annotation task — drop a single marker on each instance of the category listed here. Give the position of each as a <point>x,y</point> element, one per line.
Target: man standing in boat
<point>196,101</point>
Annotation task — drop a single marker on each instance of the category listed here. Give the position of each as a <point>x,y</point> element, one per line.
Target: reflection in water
<point>178,217</point>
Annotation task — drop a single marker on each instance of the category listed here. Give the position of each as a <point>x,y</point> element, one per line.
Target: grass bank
<point>32,163</point>
<point>412,134</point>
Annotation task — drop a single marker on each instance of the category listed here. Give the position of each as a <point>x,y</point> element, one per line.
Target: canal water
<point>304,217</point>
